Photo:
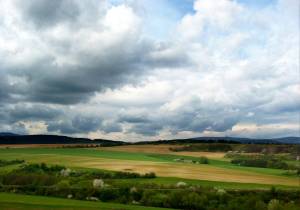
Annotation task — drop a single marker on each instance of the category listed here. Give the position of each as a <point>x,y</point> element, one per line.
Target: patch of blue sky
<point>160,16</point>
<point>257,3</point>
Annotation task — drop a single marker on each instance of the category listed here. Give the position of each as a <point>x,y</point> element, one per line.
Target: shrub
<point>203,160</point>
<point>149,175</point>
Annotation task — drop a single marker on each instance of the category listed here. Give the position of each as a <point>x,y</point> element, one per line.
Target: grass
<point>82,152</point>
<point>10,201</point>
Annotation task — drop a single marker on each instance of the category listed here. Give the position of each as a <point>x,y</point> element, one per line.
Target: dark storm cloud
<point>44,13</point>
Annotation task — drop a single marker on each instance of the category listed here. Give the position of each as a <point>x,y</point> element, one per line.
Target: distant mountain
<point>53,139</point>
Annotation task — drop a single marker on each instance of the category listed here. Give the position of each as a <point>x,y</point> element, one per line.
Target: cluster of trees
<point>41,179</point>
<point>269,149</point>
<point>207,147</point>
<point>95,174</point>
<point>204,199</point>
<point>262,161</point>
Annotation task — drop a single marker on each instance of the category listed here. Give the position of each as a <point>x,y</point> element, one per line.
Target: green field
<point>14,201</point>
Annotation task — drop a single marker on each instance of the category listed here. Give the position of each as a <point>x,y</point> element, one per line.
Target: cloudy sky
<point>146,70</point>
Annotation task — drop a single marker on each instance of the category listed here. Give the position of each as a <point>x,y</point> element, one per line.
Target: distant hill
<point>8,134</point>
<point>233,140</point>
<point>11,138</point>
<point>289,140</point>
<point>53,139</point>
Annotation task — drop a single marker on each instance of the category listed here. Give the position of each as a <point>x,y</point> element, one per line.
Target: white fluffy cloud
<point>225,69</point>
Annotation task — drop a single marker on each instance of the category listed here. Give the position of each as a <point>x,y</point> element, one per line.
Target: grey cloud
<point>71,84</point>
<point>215,122</point>
<point>168,54</point>
<point>224,124</point>
<point>74,54</point>
<point>78,124</point>
<point>83,124</point>
<point>126,59</point>
<point>86,124</point>
<point>133,118</point>
<point>64,127</point>
<point>33,112</point>
<point>44,13</point>
<point>194,115</point>
<point>110,127</point>
<point>5,89</point>
<point>147,129</point>
<point>17,128</point>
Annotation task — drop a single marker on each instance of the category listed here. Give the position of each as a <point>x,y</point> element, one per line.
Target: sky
<point>145,70</point>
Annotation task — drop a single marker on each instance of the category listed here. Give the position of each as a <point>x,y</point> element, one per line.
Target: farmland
<point>162,164</point>
<point>170,167</point>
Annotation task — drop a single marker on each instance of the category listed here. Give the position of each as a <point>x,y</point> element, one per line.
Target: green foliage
<point>25,179</point>
<point>10,162</point>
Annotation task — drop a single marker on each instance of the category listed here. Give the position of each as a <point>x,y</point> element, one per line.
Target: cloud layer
<point>113,69</point>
